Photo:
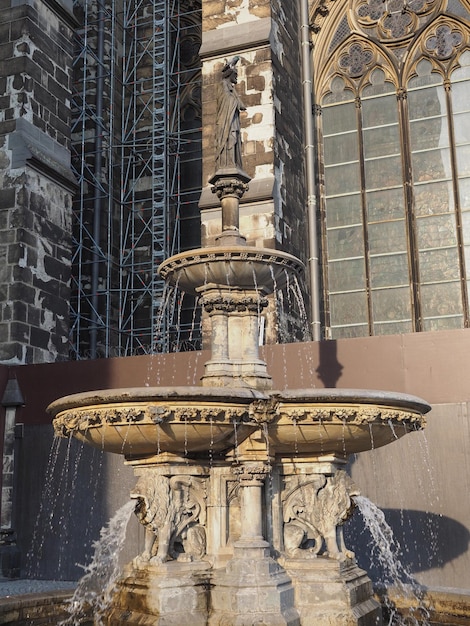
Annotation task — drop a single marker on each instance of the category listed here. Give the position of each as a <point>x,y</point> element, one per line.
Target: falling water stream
<point>386,551</point>
<point>95,589</point>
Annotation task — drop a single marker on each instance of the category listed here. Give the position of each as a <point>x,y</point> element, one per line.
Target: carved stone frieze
<point>233,302</point>
<point>251,472</point>
<point>263,411</point>
<point>314,509</point>
<point>83,419</point>
<point>357,415</point>
<point>173,512</point>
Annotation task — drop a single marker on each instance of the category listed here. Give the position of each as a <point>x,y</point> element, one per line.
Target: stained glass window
<point>395,185</point>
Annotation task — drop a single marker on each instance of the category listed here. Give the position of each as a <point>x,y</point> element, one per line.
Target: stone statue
<point>313,514</point>
<point>228,138</point>
<point>172,510</point>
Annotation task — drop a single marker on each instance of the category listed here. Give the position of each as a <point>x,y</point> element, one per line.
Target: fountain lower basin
<point>142,422</point>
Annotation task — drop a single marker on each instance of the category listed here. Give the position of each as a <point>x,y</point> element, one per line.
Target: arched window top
<point>396,32</point>
<point>356,65</point>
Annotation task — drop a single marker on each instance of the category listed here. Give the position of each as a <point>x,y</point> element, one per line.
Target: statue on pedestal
<point>228,137</point>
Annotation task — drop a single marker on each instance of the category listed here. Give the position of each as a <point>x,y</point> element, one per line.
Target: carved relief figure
<point>228,137</point>
<point>172,511</point>
<point>313,513</point>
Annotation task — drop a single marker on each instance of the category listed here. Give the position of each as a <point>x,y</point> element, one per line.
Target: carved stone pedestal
<point>234,319</point>
<point>252,589</point>
<point>169,594</point>
<point>332,593</point>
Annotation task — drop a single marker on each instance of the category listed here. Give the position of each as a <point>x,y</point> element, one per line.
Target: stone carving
<point>394,20</point>
<point>228,138</point>
<point>173,512</point>
<point>314,510</point>
<point>231,302</point>
<point>356,59</point>
<point>81,420</point>
<point>363,415</point>
<point>264,411</point>
<point>445,40</point>
<point>229,187</point>
<point>251,471</point>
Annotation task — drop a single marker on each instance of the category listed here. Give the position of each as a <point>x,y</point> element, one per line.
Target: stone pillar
<point>252,477</point>
<point>36,183</point>
<point>234,317</point>
<point>253,588</point>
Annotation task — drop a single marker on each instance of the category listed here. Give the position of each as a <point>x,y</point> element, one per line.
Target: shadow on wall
<point>329,369</point>
<point>426,541</point>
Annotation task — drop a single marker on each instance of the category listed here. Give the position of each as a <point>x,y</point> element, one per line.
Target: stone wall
<point>35,179</point>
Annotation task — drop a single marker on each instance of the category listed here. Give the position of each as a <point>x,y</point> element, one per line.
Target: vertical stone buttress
<point>265,34</point>
<point>36,183</point>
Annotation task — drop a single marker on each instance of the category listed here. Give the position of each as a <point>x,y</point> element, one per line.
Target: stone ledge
<point>259,189</point>
<point>34,608</point>
<point>231,38</point>
<point>446,606</point>
<point>29,145</point>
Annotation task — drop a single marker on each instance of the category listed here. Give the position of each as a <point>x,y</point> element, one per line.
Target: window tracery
<point>394,160</point>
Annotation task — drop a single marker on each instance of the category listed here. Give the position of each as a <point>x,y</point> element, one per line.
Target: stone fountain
<point>241,488</point>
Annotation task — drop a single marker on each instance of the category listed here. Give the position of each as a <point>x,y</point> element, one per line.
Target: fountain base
<point>242,494</point>
<point>333,592</point>
<point>252,589</point>
<point>169,594</point>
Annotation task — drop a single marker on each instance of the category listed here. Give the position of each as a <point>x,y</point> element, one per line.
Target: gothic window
<point>393,121</point>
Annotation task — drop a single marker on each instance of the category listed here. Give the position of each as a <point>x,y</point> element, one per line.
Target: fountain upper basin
<point>143,422</point>
<point>242,267</point>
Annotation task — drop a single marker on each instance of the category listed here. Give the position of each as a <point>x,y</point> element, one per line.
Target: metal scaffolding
<point>136,128</point>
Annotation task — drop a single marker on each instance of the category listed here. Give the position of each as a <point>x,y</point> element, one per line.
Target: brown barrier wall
<point>434,366</point>
<point>421,481</point>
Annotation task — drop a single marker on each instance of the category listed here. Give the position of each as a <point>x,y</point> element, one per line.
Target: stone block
<point>7,126</point>
<point>20,331</point>
<point>6,50</point>
<point>4,332</point>
<point>12,352</point>
<point>7,198</point>
<point>57,90</point>
<point>33,315</point>
<point>43,61</point>
<point>22,274</point>
<point>40,338</point>
<point>56,268</point>
<point>22,291</point>
<point>63,78</point>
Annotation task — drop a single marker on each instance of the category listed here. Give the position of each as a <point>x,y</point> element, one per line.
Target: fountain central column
<point>234,315</point>
<point>252,477</point>
<point>252,588</point>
